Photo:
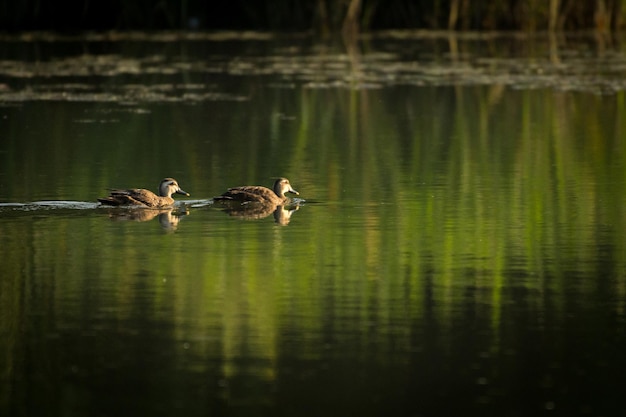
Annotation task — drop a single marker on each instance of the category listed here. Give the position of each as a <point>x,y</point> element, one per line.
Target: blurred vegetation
<point>323,16</point>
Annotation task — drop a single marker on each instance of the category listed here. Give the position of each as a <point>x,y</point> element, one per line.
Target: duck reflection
<point>168,218</point>
<point>253,211</point>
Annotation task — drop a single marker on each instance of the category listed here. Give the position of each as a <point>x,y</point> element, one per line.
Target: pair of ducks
<point>247,194</point>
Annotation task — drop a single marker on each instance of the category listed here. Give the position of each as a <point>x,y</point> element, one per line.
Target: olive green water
<point>458,248</point>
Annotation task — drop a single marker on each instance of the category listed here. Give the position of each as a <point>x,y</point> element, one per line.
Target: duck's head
<point>282,186</point>
<point>169,186</point>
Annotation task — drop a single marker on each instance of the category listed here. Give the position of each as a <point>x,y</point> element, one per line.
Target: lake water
<point>457,249</point>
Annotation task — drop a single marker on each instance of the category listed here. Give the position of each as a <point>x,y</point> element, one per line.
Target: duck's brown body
<point>140,197</point>
<point>259,194</point>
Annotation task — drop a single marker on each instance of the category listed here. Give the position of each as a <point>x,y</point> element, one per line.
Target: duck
<point>140,197</point>
<point>259,194</point>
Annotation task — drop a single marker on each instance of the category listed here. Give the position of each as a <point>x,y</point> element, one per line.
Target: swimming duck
<point>259,194</point>
<point>144,198</point>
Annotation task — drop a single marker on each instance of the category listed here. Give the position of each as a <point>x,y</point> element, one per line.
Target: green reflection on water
<point>442,228</point>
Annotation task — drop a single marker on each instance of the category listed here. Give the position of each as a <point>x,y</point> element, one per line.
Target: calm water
<point>458,250</point>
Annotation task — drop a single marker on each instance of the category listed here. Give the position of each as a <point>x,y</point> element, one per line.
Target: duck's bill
<point>179,191</point>
<point>291,190</point>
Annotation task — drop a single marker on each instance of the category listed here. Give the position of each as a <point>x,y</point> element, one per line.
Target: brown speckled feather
<point>145,198</point>
<point>259,194</point>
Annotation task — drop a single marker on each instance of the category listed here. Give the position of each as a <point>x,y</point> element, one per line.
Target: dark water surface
<point>458,248</point>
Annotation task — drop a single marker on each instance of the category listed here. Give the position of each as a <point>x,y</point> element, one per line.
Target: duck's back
<point>136,197</point>
<point>250,193</point>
